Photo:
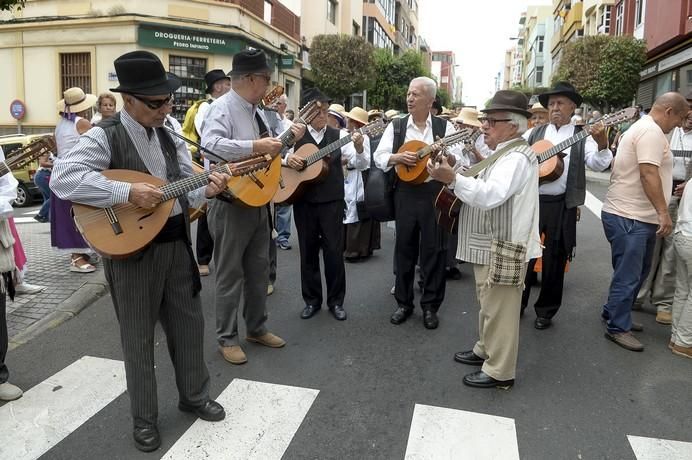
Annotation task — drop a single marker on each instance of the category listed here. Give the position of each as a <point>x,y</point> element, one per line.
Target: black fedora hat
<point>141,72</point>
<point>509,101</point>
<point>212,77</point>
<point>313,94</point>
<point>249,61</point>
<point>562,88</point>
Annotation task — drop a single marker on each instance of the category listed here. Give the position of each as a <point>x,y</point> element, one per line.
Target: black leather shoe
<point>211,411</point>
<point>482,380</point>
<point>542,323</point>
<point>430,320</point>
<point>452,273</point>
<point>147,439</point>
<point>338,312</point>
<point>309,311</point>
<point>400,315</point>
<point>468,357</point>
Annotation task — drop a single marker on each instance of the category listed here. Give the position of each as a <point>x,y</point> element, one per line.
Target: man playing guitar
<point>559,199</point>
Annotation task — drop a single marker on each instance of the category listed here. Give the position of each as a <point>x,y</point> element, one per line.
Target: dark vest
<point>332,187</point>
<point>575,192</point>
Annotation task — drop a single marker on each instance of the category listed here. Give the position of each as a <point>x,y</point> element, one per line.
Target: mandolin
<point>418,174</point>
<point>258,188</point>
<point>22,156</point>
<point>123,229</point>
<point>550,157</point>
<point>293,182</point>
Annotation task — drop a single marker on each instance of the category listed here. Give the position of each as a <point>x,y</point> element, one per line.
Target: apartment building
<point>443,70</point>
<point>52,45</point>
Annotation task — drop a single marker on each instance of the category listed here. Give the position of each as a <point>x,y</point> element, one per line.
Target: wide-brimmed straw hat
<point>358,114</point>
<point>75,100</point>
<point>338,108</point>
<point>468,116</point>
<point>391,113</point>
<point>374,113</point>
<point>538,107</point>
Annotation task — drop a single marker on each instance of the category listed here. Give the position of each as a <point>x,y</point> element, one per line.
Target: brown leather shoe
<point>664,317</point>
<point>233,354</point>
<point>268,340</point>
<point>682,351</point>
<point>626,340</point>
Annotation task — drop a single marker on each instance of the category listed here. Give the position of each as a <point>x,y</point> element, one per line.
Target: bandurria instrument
<point>418,174</point>
<point>20,157</point>
<point>122,230</point>
<point>293,182</point>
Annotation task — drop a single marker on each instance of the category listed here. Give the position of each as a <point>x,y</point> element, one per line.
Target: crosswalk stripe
<point>24,220</point>
<point>660,449</point>
<point>593,204</point>
<point>54,408</point>
<point>261,419</point>
<point>438,433</point>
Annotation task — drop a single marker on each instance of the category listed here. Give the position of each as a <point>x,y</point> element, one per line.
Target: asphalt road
<point>577,395</point>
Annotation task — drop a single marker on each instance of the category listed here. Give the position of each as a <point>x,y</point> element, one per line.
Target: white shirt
<point>353,178</point>
<point>8,191</point>
<point>199,116</point>
<point>684,224</point>
<point>384,149</point>
<point>680,140</point>
<point>593,158</point>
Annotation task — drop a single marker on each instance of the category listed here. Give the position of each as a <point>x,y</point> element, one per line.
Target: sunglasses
<point>155,104</point>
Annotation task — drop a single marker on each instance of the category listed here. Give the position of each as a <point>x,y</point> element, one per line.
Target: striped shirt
<point>77,176</point>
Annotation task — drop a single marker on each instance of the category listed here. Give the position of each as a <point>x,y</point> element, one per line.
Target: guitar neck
<point>554,150</point>
<point>324,151</point>
<point>682,153</point>
<point>183,186</point>
<point>4,169</point>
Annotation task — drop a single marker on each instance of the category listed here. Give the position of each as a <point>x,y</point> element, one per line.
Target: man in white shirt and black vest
<point>498,234</point>
<point>561,197</point>
<point>319,215</point>
<point>417,230</point>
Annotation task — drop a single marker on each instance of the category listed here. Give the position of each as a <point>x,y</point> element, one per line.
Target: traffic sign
<point>17,109</point>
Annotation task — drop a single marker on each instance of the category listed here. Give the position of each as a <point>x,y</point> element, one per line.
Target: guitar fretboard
<point>4,169</point>
<point>183,186</point>
<point>554,150</point>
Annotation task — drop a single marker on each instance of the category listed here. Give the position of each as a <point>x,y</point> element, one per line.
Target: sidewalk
<point>600,177</point>
<point>66,293</point>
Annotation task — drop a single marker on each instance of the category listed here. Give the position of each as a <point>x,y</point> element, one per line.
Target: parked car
<point>27,192</point>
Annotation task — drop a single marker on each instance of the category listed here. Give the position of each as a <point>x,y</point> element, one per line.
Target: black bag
<point>379,195</point>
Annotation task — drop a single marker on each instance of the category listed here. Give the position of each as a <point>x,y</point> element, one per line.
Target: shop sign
<point>152,36</point>
<point>286,61</point>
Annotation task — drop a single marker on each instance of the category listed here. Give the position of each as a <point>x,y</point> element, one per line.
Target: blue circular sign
<point>17,109</point>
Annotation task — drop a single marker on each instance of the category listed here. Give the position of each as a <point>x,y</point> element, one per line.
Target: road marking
<point>25,220</point>
<point>261,419</point>
<point>438,433</point>
<point>54,408</point>
<point>593,204</point>
<point>32,212</point>
<point>660,449</point>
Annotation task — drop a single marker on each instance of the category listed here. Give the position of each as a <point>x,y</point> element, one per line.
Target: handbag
<point>507,261</point>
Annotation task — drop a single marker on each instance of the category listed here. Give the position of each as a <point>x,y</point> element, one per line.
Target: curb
<point>86,295</point>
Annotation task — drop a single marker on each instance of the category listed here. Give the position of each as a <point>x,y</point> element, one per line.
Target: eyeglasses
<point>267,78</point>
<point>155,104</point>
<point>491,121</point>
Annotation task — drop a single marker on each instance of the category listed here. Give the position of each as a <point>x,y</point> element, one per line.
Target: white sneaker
<point>28,289</point>
<point>9,392</point>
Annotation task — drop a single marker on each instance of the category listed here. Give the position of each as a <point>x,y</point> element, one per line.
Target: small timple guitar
<point>293,181</point>
<point>418,174</point>
<point>550,157</point>
<point>124,229</point>
<point>22,156</point>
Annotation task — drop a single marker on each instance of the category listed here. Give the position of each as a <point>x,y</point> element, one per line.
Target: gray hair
<point>428,83</point>
<point>520,121</point>
<point>283,98</point>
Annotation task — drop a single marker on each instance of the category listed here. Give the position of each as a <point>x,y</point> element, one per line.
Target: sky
<point>478,32</point>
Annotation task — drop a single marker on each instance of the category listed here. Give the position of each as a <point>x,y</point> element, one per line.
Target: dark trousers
<point>417,232</point>
<point>320,226</point>
<point>4,373</point>
<point>558,224</point>
<point>205,243</point>
<point>156,284</point>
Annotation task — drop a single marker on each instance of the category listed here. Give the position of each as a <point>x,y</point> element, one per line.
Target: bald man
<point>635,210</point>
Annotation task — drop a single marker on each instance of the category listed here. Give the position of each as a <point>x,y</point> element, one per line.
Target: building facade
<point>443,70</point>
<point>536,34</point>
<point>379,23</point>
<point>53,45</point>
<point>567,26</point>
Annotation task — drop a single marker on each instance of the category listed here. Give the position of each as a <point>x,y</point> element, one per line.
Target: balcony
<point>572,21</point>
<point>556,41</point>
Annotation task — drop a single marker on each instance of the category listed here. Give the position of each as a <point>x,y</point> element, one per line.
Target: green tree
<point>604,69</point>
<point>445,100</point>
<point>9,4</point>
<point>393,75</point>
<point>342,64</point>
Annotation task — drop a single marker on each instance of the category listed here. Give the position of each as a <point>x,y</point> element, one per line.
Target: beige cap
<point>358,114</point>
<point>468,116</point>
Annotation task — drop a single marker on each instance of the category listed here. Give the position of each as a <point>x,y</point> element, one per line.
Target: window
<point>191,72</point>
<point>290,88</point>
<point>356,29</point>
<point>331,10</point>
<point>540,43</point>
<point>267,11</point>
<point>604,20</point>
<point>638,12</point>
<point>376,35</point>
<point>539,75</point>
<point>75,70</point>
<point>620,19</point>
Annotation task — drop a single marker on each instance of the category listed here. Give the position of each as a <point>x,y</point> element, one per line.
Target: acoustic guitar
<point>418,174</point>
<point>258,188</point>
<point>22,156</point>
<point>122,230</point>
<point>550,157</point>
<point>294,182</point>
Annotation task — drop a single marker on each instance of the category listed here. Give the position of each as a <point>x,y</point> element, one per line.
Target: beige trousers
<point>498,325</point>
<point>681,331</point>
